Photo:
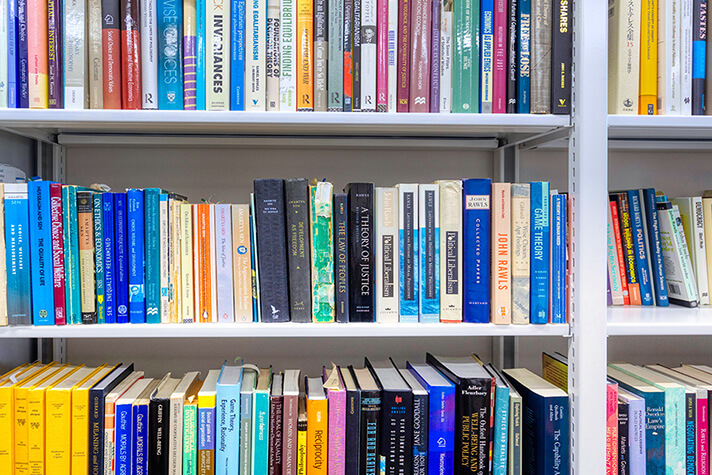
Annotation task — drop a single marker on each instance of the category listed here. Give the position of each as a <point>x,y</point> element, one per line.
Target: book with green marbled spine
<point>322,256</point>
<point>335,78</point>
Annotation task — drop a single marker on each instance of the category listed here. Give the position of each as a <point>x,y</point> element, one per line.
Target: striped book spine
<point>190,84</point>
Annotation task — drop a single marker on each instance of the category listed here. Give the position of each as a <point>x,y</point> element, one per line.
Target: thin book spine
<point>152,248</point>
<point>466,57</point>
<point>109,258</point>
<point>686,55</point>
<point>23,80</point>
<point>624,28</point>
<point>403,61</point>
<point>94,58</point>
<point>255,57</point>
<point>429,246</point>
<point>41,267</point>
<point>17,256</point>
<point>224,260</point>
<point>130,55</point>
<point>446,56</point>
<point>71,254</point>
<point>242,274</point>
<point>86,256</point>
<point>111,53</point>
<point>408,243</point>
<point>420,56</point>
<point>561,59</point>
<point>99,257</point>
<point>54,49</point>
<point>387,267</point>
<point>12,42</point>
<point>121,248</point>
<point>369,54</point>
<point>288,56</point>
<point>499,66</point>
<point>200,54</point>
<point>321,53</point>
<point>356,44</point>
<point>512,66</point>
<point>382,56</point>
<point>648,91</point>
<point>37,61</point>
<point>190,70</point>
<point>217,52</point>
<point>540,229</point>
<point>335,62</point>
<point>392,56</point>
<point>305,55</point>
<point>296,194</point>
<point>237,55</point>
<point>136,262</point>
<point>436,14</point>
<point>149,55</point>
<point>74,54</point>
<point>486,55</point>
<point>341,257</point>
<point>60,303</point>
<point>348,55</point>
<point>273,61</point>
<point>699,53</point>
<point>501,253</point>
<point>521,242</point>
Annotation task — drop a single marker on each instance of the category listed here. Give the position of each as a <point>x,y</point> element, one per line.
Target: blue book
<point>524,55</point>
<point>124,426</point>
<point>136,259</point>
<point>641,247</point>
<point>237,54</point>
<point>441,423</point>
<point>260,426</point>
<point>428,219</point>
<point>139,423</point>
<point>71,255</point>
<point>170,48</point>
<point>200,55</point>
<point>486,55</point>
<point>40,245</point>
<point>23,69</point>
<point>408,252</point>
<point>152,198</point>
<point>539,270</point>
<point>12,92</point>
<point>227,420</point>
<point>501,423</point>
<point>109,257</point>
<point>121,272</point>
<point>655,248</point>
<point>99,256</point>
<point>476,254</point>
<point>558,258</point>
<point>17,253</point>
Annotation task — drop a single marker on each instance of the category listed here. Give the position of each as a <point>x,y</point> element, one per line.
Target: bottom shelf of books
<point>429,416</point>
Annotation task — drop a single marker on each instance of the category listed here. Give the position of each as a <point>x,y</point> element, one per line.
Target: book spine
<point>521,219</point>
<point>640,248</point>
<point>123,439</point>
<point>697,247</point>
<point>305,55</point>
<point>201,48</point>
<point>361,255</point>
<point>668,68</point>
<point>130,55</point>
<point>273,61</point>
<point>23,72</point>
<point>71,255</point>
<point>58,279</point>
<point>420,57</point>
<point>499,57</point>
<point>227,437</point>
<point>170,52</point>
<point>335,77</point>
<point>12,56</point>
<point>95,53</point>
<point>321,47</point>
<point>237,54</point>
<point>190,64</point>
<point>260,434</point>
<point>501,254</point>
<point>655,247</point>
<point>54,55</point>
<point>618,237</point>
<point>122,258</point>
<point>336,438</point>
<point>387,267</point>
<point>648,90</point>
<point>392,56</point>
<point>624,23</point>
<point>628,247</point>
<point>164,257</point>
<point>99,257</point>
<point>255,59</point>
<point>256,302</point>
<point>403,61</point>
<point>420,434</point>
<point>3,261</point>
<point>540,230</point>
<point>242,275</point>
<point>476,258</point>
<point>684,256</point>
<point>245,456</point>
<point>408,243</point>
<point>382,56</point>
<point>501,429</point>
<point>41,253</point>
<point>136,256</point>
<point>149,55</point>
<point>686,56</point>
<point>396,437</point>
<point>321,214</point>
<point>73,53</point>
<point>152,249</point>
<point>702,435</point>
<point>190,440</point>
<point>446,56</point>
<point>352,436</point>
<point>37,62</point>
<point>341,257</point>
<point>96,430</point>
<point>223,258</point>
<point>466,57</point>
<point>624,445</point>
<point>348,55</point>
<point>486,55</point>
<point>140,445</point>
<point>614,274</point>
<point>17,251</point>
<point>356,55</point>
<point>85,219</point>
<point>276,415</point>
<point>558,312</point>
<point>111,53</point>
<point>202,257</point>
<point>435,26</point>
<point>217,53</point>
<point>451,251</point>
<point>561,58</point>
<point>288,56</point>
<point>512,67</point>
<point>370,428</point>
<point>690,432</point>
<point>429,248</point>
<point>540,56</point>
<point>524,56</point>
<point>369,54</point>
<point>206,440</point>
<point>187,281</point>
<point>699,53</point>
<point>289,434</point>
<point>109,258</point>
<point>296,193</point>
<point>158,436</point>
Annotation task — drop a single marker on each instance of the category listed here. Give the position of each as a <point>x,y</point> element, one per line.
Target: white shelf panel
<point>660,128</point>
<point>284,330</point>
<point>672,320</point>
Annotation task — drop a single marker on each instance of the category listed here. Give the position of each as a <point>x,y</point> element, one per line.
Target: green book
<point>322,251</point>
<point>152,218</point>
<point>190,436</point>
<point>99,256</point>
<point>71,255</point>
<point>466,56</point>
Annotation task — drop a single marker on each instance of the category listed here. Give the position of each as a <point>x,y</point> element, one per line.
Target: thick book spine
<point>348,55</point>
<point>429,247</point>
<point>356,55</point>
<point>322,245</point>
<point>396,432</point>
<point>71,254</point>
<point>408,243</point>
<point>435,14</point>
<point>499,58</point>
<point>305,55</point>
<point>217,47</point>
<point>276,406</point>
<point>152,252</point>
<point>273,61</point>
<point>369,54</point>
<point>288,56</point>
<point>524,57</point>
<point>109,258</point>
<point>640,248</point>
<point>486,55</point>
<point>655,248</point>
<point>561,58</point>
<point>122,257</point>
<point>136,256</point>
<point>541,57</point>
<point>237,55</point>
<point>94,47</point>
<point>451,251</point>
<point>501,253</point>
<point>296,194</point>
<point>124,439</point>
<point>190,66</point>
<point>387,267</point>
<point>321,47</point>
<point>201,55</point>
<point>466,57</point>
<point>446,56</point>
<point>341,257</point>
<point>420,434</point>
<point>41,253</point>
<point>223,262</point>
<point>521,219</point>
<point>335,77</point>
<point>260,432</point>
<point>361,252</point>
<point>149,55</point>
<point>85,219</point>
<point>624,27</point>
<point>699,54</point>
<point>403,61</point>
<point>23,80</point>
<point>140,439</point>
<point>130,55</point>
<point>540,231</point>
<point>58,279</point>
<point>37,62</point>
<point>476,258</point>
<point>382,56</point>
<point>370,430</point>
<point>242,274</point>
<point>255,56</point>
<point>19,306</point>
<point>158,411</point>
<point>420,56</point>
<point>111,53</point>
<point>99,257</point>
<point>511,52</point>
<point>170,52</point>
<point>55,63</point>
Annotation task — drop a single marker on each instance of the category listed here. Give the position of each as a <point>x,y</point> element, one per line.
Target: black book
<point>272,250</point>
<point>396,438</point>
<point>699,38</point>
<point>353,421</point>
<point>361,253</point>
<point>296,194</point>
<point>158,426</point>
<point>356,63</point>
<point>276,412</point>
<point>97,395</point>
<point>623,441</point>
<point>473,398</point>
<point>341,256</point>
<point>512,50</point>
<point>370,423</point>
<point>421,419</point>
<point>561,57</point>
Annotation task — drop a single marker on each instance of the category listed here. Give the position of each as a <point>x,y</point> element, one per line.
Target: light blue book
<point>17,253</point>
<point>152,216</point>
<point>249,379</point>
<point>539,271</point>
<point>237,55</point>
<point>558,258</point>
<point>40,246</point>
<point>71,255</point>
<point>501,423</point>
<point>200,55</point>
<point>98,207</point>
<point>408,252</point>
<point>227,420</point>
<point>169,15</point>
<point>429,221</point>
<point>260,423</point>
<point>636,431</point>
<point>136,257</point>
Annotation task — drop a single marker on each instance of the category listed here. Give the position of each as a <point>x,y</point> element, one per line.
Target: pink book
<point>702,436</point>
<point>382,57</point>
<point>55,202</point>
<point>611,428</point>
<point>499,94</point>
<point>336,394</point>
<point>420,56</point>
<point>37,53</point>
<point>289,429</point>
<point>403,60</point>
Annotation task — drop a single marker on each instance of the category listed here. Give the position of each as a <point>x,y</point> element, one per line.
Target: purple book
<point>609,298</point>
<point>54,46</point>
<point>435,57</point>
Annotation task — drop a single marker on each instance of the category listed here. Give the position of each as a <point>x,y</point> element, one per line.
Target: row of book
<point>451,251</point>
<point>449,415</point>
<point>494,56</point>
<point>657,419</point>
<point>658,249</point>
<point>658,58</point>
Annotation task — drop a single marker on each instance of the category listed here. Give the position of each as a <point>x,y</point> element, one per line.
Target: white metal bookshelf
<point>659,321</point>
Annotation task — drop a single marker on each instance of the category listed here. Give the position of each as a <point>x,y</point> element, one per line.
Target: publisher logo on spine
<point>477,202</point>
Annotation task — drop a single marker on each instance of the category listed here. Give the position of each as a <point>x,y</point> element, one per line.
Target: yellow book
<point>302,437</point>
<point>555,370</point>
<point>317,427</point>
<point>187,309</point>
<point>36,413</point>
<point>648,58</point>
<point>80,422</point>
<point>58,421</point>
<point>22,430</point>
<point>305,55</point>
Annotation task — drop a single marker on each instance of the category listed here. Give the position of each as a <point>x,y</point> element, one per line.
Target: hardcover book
<point>321,47</point>
<point>540,231</point>
<point>276,415</point>
<point>640,248</point>
<point>501,254</point>
<point>408,243</point>
<point>420,422</point>
<point>124,438</point>
<point>429,247</point>
<point>40,245</point>
<point>353,421</point>
<point>524,56</point>
<point>450,250</point>
<point>361,252</point>
<point>158,428</point>
<point>322,245</point>
<point>486,55</point>
<point>296,196</point>
<point>476,258</point>
<point>111,429</point>
<point>341,256</point>
<point>136,260</point>
<point>521,255</point>
<point>387,262</point>
<point>370,421</point>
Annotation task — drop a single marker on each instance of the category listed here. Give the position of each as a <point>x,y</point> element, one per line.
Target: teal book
<point>98,207</point>
<point>152,217</point>
<point>260,422</point>
<point>71,255</point>
<point>41,269</point>
<point>227,420</point>
<point>500,447</point>
<point>466,56</point>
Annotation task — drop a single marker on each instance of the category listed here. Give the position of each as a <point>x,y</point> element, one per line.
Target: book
<point>370,429</point>
<point>224,263</point>
<point>107,210</point>
<point>305,55</point>
<point>559,263</point>
<point>691,214</point>
<point>320,52</point>
<point>421,426</point>
<point>201,46</point>
<point>655,247</point>
<point>302,437</point>
<point>561,58</point>
<point>499,57</point>
<point>352,424</point>
<point>435,54</point>
<point>140,429</point>
<point>207,398</point>
<point>624,259</point>
<point>446,56</point>
<point>500,461</point>
<point>336,442</point>
<point>501,254</point>
<point>237,54</point>
<point>290,393</point>
<point>135,219</point>
<point>682,288</point>
<point>476,257</point>
<point>515,444</point>
<point>260,425</point>
<point>288,56</point>
<point>74,53</point>
<point>647,92</point>
<point>190,429</point>
<point>429,247</point>
<point>111,417</point>
<point>187,385</point>
<point>37,54</point>
<point>272,56</point>
<point>699,53</point>
<point>369,55</point>
<point>486,55</point>
<point>348,35</point>
<point>341,256</point>
<point>187,277</point>
<point>54,56</point>
<point>450,250</point>
<point>361,252</point>
<point>640,248</point>
<point>403,38</point>
<point>317,426</point>
<point>242,274</point>
<point>57,248</point>
<point>387,262</point>
<point>190,62</point>
<point>297,201</point>
<point>217,48</point>
<point>122,257</point>
<point>624,30</point>
<point>392,52</point>
<point>111,53</point>
<point>227,413</point>
<point>152,251</point>
<point>466,57</point>
<point>355,77</point>
<point>169,22</point>
<point>71,253</point>
<point>276,416</point>
<point>255,90</point>
<point>541,59</point>
<point>22,60</point>
<point>85,219</point>
<point>669,88</point>
<point>17,242</point>
<point>520,252</point>
<point>382,49</point>
<point>540,232</point>
<point>321,255</point>
<point>97,210</point>
<point>249,378</point>
<point>636,430</point>
<point>40,245</point>
<point>149,54</point>
<point>614,271</point>
<point>408,230</point>
<point>11,58</point>
<point>524,57</point>
<point>686,55</point>
<point>124,448</point>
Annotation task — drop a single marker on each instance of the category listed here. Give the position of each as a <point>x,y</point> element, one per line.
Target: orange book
<point>204,272</point>
<point>38,53</point>
<point>317,427</point>
<point>305,55</point>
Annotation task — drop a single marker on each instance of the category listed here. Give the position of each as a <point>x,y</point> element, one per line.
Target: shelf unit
<point>659,321</point>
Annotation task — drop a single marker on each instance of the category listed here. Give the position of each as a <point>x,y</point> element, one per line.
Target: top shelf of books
<point>364,124</point>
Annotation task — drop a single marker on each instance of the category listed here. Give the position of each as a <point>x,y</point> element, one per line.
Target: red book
<point>619,251</point>
<point>499,66</point>
<point>403,60</point>
<point>420,57</point>
<point>111,53</point>
<point>130,55</point>
<point>55,202</point>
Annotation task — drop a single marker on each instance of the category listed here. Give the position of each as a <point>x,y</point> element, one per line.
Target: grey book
<point>247,388</point>
<point>335,62</point>
<point>296,192</point>
<point>520,252</point>
<point>321,46</point>
<point>541,57</point>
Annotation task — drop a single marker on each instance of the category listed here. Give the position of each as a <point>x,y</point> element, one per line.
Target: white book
<point>218,52</point>
<point>521,257</point>
<point>623,56</point>
<point>223,242</point>
<point>387,269</point>
<point>691,212</point>
<point>408,251</point>
<point>175,425</point>
<point>392,56</point>
<point>686,57</point>
<point>149,55</point>
<point>288,57</point>
<point>174,261</point>
<point>428,246</point>
<point>669,87</point>
<point>255,59</point>
<point>614,275</point>
<point>164,232</point>
<point>368,55</point>
<point>272,55</point>
<point>187,281</point>
<point>74,54</point>
<point>682,287</point>
<point>213,267</point>
<point>242,270</point>
<point>3,53</point>
<point>501,284</point>
<point>446,31</point>
<point>450,250</point>
<point>94,46</point>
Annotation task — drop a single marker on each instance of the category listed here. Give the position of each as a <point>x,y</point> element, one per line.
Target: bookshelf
<point>659,321</point>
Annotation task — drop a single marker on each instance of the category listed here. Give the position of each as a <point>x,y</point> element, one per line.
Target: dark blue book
<point>362,259</point>
<point>136,257</point>
<point>641,248</point>
<point>139,426</point>
<point>524,56</point>
<point>98,211</point>
<point>655,248</point>
<point>476,254</point>
<point>169,14</point>
<point>109,258</point>
<point>121,253</point>
<point>17,254</point>
<point>353,421</point>
<point>341,256</point>
<point>539,270</point>
<point>12,89</point>
<point>40,246</point>
<point>699,53</point>
<point>237,55</point>
<point>370,422</point>
<point>558,257</point>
